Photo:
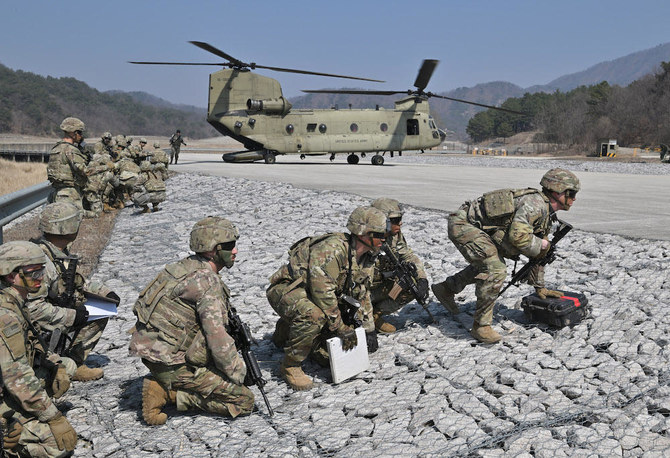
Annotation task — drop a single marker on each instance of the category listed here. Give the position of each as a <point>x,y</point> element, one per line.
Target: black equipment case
<point>556,311</point>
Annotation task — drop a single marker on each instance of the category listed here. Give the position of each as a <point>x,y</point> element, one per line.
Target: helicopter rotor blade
<point>477,104</point>
<point>352,91</point>
<point>425,72</point>
<point>179,63</point>
<point>217,52</point>
<point>238,63</point>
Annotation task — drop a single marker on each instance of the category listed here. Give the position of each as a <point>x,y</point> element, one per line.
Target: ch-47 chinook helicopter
<point>251,109</point>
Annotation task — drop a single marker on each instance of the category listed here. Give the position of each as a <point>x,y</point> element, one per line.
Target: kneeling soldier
<point>35,425</point>
<point>306,293</point>
<point>385,298</point>
<point>181,332</point>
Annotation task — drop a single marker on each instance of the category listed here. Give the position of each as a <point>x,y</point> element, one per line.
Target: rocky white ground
<point>598,389</point>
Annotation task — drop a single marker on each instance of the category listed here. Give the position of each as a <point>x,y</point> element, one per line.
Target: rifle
<point>349,307</point>
<point>58,339</point>
<point>243,338</point>
<point>561,231</point>
<point>405,274</point>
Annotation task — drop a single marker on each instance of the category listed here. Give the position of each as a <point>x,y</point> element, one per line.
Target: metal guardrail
<point>21,202</point>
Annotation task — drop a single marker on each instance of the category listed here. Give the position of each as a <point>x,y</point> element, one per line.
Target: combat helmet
<point>19,254</point>
<point>107,136</point>
<point>210,231</point>
<point>60,218</point>
<point>157,145</point>
<point>120,140</point>
<point>559,180</point>
<point>389,206</point>
<point>143,140</point>
<point>367,219</point>
<point>72,124</point>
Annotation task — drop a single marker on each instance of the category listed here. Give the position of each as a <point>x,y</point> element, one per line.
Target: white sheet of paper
<point>346,364</point>
<point>99,309</point>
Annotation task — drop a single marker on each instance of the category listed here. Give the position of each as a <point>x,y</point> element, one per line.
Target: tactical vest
<point>16,336</point>
<point>299,253</point>
<point>497,207</point>
<point>59,168</point>
<point>174,320</point>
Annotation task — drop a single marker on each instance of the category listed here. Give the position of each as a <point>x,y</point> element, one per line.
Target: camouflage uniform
<point>382,280</point>
<point>181,337</point>
<point>308,302</point>
<point>44,306</point>
<point>67,172</point>
<point>149,187</point>
<point>105,145</point>
<point>100,172</point>
<point>175,145</point>
<point>25,398</point>
<point>159,159</point>
<point>498,225</point>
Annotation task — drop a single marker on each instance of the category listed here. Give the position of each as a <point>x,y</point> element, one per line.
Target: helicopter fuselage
<point>251,109</point>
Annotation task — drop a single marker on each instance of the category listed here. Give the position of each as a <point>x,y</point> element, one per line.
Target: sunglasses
<point>396,220</point>
<point>37,274</point>
<point>570,193</point>
<point>228,246</point>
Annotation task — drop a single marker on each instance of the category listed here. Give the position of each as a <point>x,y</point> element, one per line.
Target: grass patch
<point>18,175</point>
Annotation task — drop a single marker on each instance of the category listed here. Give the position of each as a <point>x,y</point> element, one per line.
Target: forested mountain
<point>636,115</point>
<point>34,104</point>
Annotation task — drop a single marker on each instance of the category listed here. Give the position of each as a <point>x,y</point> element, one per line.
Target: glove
<point>544,251</point>
<point>373,343</point>
<point>544,293</point>
<point>61,382</point>
<point>422,287</point>
<point>81,317</point>
<point>12,435</point>
<point>63,432</point>
<point>348,336</point>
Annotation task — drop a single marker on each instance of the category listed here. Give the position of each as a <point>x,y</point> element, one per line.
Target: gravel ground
<point>600,388</point>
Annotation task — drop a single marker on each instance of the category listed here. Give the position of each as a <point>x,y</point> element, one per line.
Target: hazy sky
<point>525,42</point>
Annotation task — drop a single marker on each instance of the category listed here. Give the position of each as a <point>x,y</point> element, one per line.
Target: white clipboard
<point>99,307</point>
<point>346,364</point>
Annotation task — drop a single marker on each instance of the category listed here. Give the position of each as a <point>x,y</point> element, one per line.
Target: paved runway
<point>630,205</point>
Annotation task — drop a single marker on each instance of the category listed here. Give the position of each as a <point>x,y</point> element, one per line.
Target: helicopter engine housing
<point>277,105</point>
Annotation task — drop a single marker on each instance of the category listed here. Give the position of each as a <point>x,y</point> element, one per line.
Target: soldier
<point>100,172</point>
<point>105,144</point>
<point>149,187</point>
<point>160,160</point>
<point>66,169</point>
<point>498,225</point>
<point>181,333</point>
<point>385,298</point>
<point>175,144</point>
<point>35,425</point>
<point>306,293</point>
<point>59,223</point>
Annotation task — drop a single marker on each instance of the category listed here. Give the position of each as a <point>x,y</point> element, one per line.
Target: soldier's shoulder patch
<point>11,334</point>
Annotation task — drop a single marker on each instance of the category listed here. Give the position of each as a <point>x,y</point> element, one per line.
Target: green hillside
<point>31,104</point>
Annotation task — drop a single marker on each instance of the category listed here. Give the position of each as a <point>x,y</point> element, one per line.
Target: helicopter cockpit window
<point>384,127</point>
<point>432,124</point>
<point>322,128</point>
<point>289,129</point>
<point>353,127</point>
<point>311,127</point>
<point>412,127</point>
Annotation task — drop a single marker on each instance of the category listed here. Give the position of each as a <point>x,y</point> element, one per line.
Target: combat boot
<point>382,326</point>
<point>445,296</point>
<point>86,374</point>
<point>145,209</point>
<point>485,334</point>
<point>295,377</point>
<point>154,398</point>
<point>107,208</point>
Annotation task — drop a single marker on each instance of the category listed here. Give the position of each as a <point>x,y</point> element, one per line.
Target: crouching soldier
<point>503,224</point>
<point>34,425</point>
<point>181,332</point>
<point>323,272</point>
<point>60,302</point>
<point>385,292</point>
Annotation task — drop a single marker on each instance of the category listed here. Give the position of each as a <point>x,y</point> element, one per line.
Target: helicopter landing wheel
<point>377,160</point>
<point>302,156</point>
<point>332,157</point>
<point>270,158</point>
<point>363,155</point>
<point>352,159</point>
